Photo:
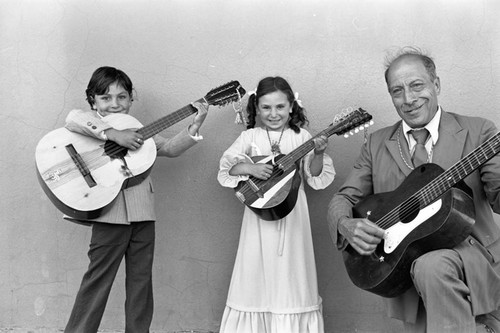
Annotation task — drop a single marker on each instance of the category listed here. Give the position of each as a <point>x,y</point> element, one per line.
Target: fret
<point>462,169</point>
<point>478,157</point>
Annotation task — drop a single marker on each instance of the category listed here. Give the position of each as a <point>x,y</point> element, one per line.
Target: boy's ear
<point>92,102</point>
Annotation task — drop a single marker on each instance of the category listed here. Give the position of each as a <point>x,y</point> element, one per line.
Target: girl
<point>128,228</point>
<point>273,286</point>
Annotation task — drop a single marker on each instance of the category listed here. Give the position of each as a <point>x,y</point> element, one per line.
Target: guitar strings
<point>442,183</point>
<point>283,164</point>
<point>411,205</point>
<point>154,128</point>
<point>147,131</point>
<point>287,161</point>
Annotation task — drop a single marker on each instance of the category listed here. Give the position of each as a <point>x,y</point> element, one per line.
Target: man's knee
<point>436,267</point>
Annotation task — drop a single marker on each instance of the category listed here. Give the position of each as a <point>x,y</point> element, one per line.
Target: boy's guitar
<point>432,209</point>
<point>274,198</point>
<point>82,175</point>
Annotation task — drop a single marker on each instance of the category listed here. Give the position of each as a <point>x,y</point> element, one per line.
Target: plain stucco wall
<point>331,52</point>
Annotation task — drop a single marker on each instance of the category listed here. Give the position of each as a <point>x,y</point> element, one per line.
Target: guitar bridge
<point>80,164</point>
<point>240,196</point>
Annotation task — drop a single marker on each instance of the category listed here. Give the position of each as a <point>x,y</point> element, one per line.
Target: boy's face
<point>116,100</point>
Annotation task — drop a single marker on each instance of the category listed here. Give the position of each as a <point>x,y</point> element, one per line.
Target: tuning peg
<point>356,130</point>
<point>346,135</point>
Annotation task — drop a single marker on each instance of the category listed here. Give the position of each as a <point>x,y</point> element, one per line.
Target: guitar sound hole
<point>409,211</point>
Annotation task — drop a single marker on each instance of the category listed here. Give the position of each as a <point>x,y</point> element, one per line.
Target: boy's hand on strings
<point>199,118</point>
<point>320,144</point>
<point>128,138</point>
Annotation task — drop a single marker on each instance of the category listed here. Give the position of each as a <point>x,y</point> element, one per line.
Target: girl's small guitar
<point>82,176</point>
<point>274,198</point>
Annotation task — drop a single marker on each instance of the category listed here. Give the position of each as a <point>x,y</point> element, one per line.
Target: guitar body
<point>111,168</point>
<point>275,197</point>
<point>442,224</point>
<point>82,176</point>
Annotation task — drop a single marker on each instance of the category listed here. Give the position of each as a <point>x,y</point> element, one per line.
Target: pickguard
<point>394,235</point>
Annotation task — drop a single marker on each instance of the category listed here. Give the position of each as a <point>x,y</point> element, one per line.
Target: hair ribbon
<point>299,102</point>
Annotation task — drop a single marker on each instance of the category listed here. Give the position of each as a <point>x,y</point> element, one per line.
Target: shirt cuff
<point>196,137</point>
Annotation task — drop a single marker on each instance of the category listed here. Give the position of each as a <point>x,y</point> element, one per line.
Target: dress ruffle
<point>235,321</point>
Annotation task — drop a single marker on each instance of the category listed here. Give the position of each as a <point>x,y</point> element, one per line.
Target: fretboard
<point>167,121</point>
<point>444,182</point>
<point>290,159</point>
<point>461,169</point>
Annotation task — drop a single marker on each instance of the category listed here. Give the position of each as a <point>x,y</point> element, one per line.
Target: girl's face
<point>116,100</point>
<point>274,110</point>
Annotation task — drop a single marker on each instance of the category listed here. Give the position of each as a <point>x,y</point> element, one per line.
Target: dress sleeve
<point>325,178</point>
<point>327,175</point>
<point>87,123</point>
<point>236,153</point>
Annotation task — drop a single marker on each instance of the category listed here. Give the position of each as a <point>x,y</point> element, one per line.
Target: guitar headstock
<point>227,93</point>
<point>352,120</point>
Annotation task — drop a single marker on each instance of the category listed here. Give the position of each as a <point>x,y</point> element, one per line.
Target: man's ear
<point>437,84</point>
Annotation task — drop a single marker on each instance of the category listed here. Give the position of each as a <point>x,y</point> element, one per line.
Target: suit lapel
<point>447,151</point>
<point>449,148</point>
<point>398,148</point>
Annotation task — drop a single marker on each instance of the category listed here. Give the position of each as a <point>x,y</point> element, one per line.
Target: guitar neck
<point>461,169</point>
<point>167,121</point>
<point>299,152</point>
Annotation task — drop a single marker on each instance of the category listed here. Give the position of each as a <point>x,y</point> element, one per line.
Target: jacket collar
<point>447,150</point>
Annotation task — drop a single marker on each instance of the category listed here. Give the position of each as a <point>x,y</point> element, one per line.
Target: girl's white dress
<point>274,284</point>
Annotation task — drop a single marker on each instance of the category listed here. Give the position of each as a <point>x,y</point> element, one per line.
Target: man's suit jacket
<point>136,203</point>
<point>380,168</point>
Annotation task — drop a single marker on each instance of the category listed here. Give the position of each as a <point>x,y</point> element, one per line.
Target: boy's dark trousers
<point>108,245</point>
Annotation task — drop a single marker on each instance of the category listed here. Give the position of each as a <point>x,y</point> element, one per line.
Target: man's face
<point>413,92</point>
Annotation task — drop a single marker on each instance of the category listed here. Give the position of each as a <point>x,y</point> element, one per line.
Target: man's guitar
<point>274,198</point>
<point>432,209</point>
<point>82,175</point>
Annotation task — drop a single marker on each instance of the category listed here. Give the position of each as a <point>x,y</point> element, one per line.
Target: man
<point>454,290</point>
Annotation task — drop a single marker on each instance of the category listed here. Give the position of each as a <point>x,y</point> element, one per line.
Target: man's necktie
<point>420,154</point>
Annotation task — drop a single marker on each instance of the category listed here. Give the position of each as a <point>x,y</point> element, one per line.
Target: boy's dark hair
<point>102,78</point>
<point>269,85</point>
